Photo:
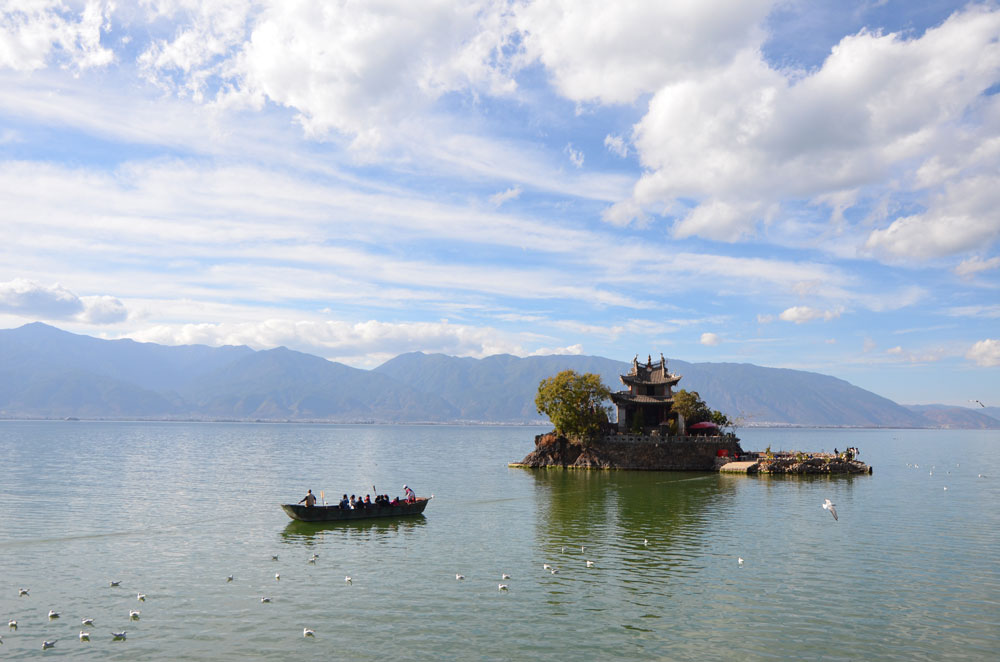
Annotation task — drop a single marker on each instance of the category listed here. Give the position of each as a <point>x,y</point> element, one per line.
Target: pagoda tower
<point>648,402</point>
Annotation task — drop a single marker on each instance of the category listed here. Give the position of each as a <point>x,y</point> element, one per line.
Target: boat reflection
<point>312,532</point>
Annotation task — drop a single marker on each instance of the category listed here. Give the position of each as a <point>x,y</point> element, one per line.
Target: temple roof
<point>625,396</point>
<point>655,376</point>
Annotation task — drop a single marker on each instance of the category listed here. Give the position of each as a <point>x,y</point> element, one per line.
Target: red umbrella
<point>703,426</point>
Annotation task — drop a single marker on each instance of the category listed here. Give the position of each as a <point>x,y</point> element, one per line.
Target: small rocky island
<point>651,434</point>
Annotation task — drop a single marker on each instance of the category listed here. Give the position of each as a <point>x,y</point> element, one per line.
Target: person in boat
<point>309,499</point>
<point>368,500</point>
<point>344,503</point>
<point>394,502</point>
<point>410,496</point>
<point>353,502</point>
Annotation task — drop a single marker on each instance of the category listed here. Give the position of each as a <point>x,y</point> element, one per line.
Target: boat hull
<point>337,514</point>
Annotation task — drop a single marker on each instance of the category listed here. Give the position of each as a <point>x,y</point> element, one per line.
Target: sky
<point>797,184</point>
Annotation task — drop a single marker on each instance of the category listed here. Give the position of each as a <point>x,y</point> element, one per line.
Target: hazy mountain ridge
<point>49,373</point>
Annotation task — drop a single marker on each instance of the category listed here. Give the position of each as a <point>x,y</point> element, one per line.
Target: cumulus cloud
<point>985,353</point>
<point>616,145</point>
<point>54,302</point>
<point>710,339</point>
<point>513,193</point>
<point>802,314</point>
<point>34,33</point>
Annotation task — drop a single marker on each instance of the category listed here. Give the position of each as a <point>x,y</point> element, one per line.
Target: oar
<point>322,497</point>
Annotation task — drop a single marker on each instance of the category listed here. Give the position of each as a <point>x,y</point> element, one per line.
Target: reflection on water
<point>311,532</point>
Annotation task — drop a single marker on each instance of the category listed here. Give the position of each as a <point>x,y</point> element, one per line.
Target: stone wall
<point>651,454</point>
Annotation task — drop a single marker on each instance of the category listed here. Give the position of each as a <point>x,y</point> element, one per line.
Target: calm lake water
<point>909,572</point>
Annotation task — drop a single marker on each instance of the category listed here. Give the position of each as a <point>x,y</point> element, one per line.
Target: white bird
<point>86,621</point>
<point>502,587</point>
<point>115,583</point>
<point>554,571</point>
<point>22,591</point>
<point>53,614</point>
<point>946,489</point>
<point>546,566</point>
<point>119,636</point>
<point>133,614</point>
<point>590,564</point>
<point>12,624</point>
<point>277,576</point>
<point>306,632</point>
<point>348,579</point>
<point>829,505</point>
<point>459,576</point>
<point>84,636</point>
<point>141,597</point>
<point>313,561</point>
<point>583,548</point>
<point>263,599</point>
<point>229,578</point>
<point>739,559</point>
<point>48,644</point>
<point>504,575</point>
<point>645,542</point>
<point>982,476</point>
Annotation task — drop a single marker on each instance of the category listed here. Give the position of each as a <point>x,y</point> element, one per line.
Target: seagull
<point>313,561</point>
<point>739,559</point>
<point>22,591</point>
<point>12,624</point>
<point>504,575</point>
<point>115,583</point>
<point>502,587</point>
<point>829,505</point>
<point>645,541</point>
<point>274,557</point>
<point>583,548</point>
<point>86,621</point>
<point>554,571</point>
<point>263,599</point>
<point>348,579</point>
<point>229,578</point>
<point>84,636</point>
<point>119,636</point>
<point>546,566</point>
<point>53,614</point>
<point>141,597</point>
<point>48,644</point>
<point>133,614</point>
<point>590,564</point>
<point>459,576</point>
<point>306,632</point>
<point>982,476</point>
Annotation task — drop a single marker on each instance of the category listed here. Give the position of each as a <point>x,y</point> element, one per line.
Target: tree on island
<point>574,403</point>
<point>694,410</point>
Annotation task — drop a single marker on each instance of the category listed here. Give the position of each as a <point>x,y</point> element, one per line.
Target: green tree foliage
<point>574,403</point>
<point>694,410</point>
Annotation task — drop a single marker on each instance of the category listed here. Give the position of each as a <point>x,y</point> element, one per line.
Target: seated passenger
<point>394,502</point>
<point>344,503</point>
<point>353,502</point>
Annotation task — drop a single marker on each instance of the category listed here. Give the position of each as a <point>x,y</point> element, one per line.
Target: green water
<point>907,573</point>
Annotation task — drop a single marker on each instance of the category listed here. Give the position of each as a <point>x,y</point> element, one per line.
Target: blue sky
<point>810,185</point>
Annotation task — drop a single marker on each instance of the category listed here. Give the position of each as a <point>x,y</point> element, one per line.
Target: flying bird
<point>829,505</point>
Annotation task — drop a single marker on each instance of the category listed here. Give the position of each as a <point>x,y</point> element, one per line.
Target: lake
<point>171,509</point>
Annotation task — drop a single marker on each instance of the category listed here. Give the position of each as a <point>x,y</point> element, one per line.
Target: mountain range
<point>49,373</point>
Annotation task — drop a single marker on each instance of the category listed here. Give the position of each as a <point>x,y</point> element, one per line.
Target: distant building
<point>648,402</point>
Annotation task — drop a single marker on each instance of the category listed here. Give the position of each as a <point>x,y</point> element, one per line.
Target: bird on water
<point>306,632</point>
<point>829,505</point>
<point>119,636</point>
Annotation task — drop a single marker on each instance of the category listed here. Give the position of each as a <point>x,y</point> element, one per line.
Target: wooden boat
<point>337,514</point>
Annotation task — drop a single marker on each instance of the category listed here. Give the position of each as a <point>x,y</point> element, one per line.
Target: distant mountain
<point>502,388</point>
<point>49,373</point>
<point>945,416</point>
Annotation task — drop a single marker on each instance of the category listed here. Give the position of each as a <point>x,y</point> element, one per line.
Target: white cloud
<point>763,318</point>
<point>572,350</point>
<point>54,302</point>
<point>985,353</point>
<point>616,145</point>
<point>33,33</point>
<point>974,265</point>
<point>613,52</point>
<point>513,193</point>
<point>802,314</point>
<point>575,156</point>
<point>710,339</point>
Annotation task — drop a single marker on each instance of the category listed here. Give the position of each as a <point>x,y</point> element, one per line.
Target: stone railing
<point>630,438</point>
